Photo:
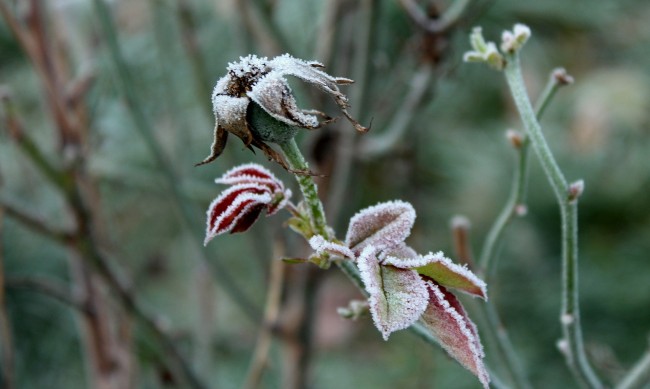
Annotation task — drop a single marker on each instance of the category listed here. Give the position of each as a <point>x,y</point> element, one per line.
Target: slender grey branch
<point>377,145</point>
<point>639,376</point>
<point>144,127</point>
<point>520,179</point>
<point>446,21</point>
<point>572,343</point>
<point>50,288</point>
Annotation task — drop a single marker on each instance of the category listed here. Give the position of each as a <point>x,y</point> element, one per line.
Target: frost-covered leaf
<point>383,226</point>
<point>397,297</point>
<point>236,209</point>
<point>321,245</point>
<point>443,271</point>
<point>447,321</point>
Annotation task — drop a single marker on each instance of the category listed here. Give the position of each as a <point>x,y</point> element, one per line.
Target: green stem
<point>574,352</point>
<point>307,186</point>
<point>504,349</point>
<point>518,188</point>
<point>639,376</point>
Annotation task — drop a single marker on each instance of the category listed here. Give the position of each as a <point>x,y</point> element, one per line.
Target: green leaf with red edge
<point>447,321</point>
<point>442,270</point>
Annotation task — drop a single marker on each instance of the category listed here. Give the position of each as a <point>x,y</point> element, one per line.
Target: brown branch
<point>259,361</point>
<point>6,339</point>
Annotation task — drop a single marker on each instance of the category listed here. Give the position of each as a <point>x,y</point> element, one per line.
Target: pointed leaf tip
<point>448,322</point>
<point>383,225</point>
<point>442,270</point>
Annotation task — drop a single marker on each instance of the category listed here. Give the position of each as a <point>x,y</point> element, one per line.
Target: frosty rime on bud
<point>255,103</point>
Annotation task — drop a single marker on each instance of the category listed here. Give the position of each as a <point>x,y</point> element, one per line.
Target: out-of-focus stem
<point>518,188</point>
<point>447,20</point>
<point>260,361</point>
<point>6,338</point>
<point>574,351</point>
<point>146,131</point>
<point>347,140</point>
<point>639,376</point>
<point>496,331</point>
<point>377,145</point>
<point>50,288</point>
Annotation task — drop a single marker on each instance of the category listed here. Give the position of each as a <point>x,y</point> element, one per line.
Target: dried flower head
<point>255,90</point>
<point>253,189</point>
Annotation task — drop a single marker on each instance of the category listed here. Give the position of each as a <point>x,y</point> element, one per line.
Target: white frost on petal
<point>384,226</point>
<point>251,173</point>
<point>230,112</point>
<point>248,66</point>
<point>321,245</point>
<point>447,321</point>
<point>238,207</point>
<point>221,87</point>
<point>273,94</point>
<point>397,297</point>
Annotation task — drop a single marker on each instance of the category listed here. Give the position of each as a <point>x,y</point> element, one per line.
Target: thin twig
<point>49,287</point>
<point>260,360</point>
<point>504,350</point>
<point>639,375</point>
<point>36,224</point>
<point>347,140</point>
<point>145,129</point>
<point>572,343</point>
<point>85,243</point>
<point>445,22</point>
<point>374,146</point>
<point>517,196</point>
<point>6,338</point>
<point>263,28</point>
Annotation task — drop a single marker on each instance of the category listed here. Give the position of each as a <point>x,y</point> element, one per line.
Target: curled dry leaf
<point>236,209</point>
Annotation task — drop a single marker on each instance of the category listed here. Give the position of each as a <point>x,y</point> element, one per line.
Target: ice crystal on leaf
<point>397,297</point>
<point>321,246</point>
<point>253,189</point>
<point>383,226</point>
<point>255,87</point>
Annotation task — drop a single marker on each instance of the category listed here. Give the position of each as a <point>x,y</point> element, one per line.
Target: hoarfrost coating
<point>260,82</point>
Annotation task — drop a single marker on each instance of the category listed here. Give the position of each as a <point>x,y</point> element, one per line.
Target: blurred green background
<point>451,157</point>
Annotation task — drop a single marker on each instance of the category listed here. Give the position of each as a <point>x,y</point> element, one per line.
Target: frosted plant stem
<point>518,189</point>
<point>572,343</point>
<point>639,376</point>
<point>308,187</point>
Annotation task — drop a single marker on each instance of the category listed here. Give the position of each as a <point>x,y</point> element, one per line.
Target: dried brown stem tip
<point>562,77</point>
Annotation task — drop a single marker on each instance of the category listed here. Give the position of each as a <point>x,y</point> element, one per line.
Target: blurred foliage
<point>453,159</point>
